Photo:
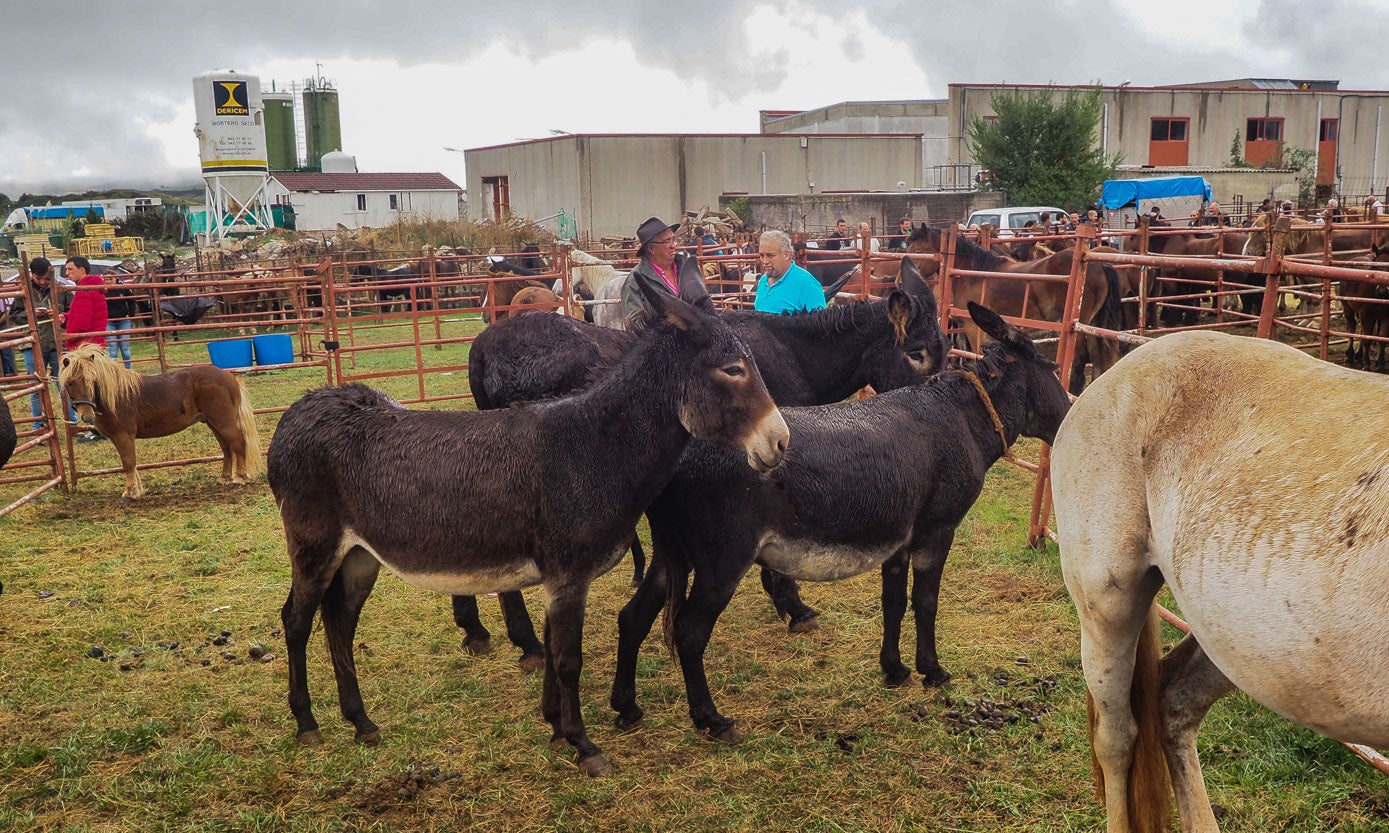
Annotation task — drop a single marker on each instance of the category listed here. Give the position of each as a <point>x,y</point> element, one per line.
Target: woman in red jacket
<point>88,311</point>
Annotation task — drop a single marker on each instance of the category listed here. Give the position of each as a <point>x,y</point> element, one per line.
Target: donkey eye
<point>734,370</point>
<point>918,356</point>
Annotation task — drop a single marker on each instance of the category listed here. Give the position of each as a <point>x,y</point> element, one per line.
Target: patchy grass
<point>172,725</point>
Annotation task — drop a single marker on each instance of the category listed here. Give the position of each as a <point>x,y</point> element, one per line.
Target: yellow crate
<point>99,230</point>
<point>107,247</point>
<point>31,246</point>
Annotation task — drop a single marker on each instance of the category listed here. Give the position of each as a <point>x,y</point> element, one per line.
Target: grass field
<point>173,725</point>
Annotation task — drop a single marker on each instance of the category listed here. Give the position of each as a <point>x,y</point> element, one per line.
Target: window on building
<point>1329,130</point>
<point>395,202</point>
<point>1167,141</point>
<point>1327,135</point>
<point>361,202</point>
<point>500,189</point>
<point>1263,142</point>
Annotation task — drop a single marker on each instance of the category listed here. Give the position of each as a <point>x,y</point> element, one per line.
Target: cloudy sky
<point>100,94</point>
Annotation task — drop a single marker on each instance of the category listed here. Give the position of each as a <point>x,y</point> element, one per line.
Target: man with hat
<point>659,264</point>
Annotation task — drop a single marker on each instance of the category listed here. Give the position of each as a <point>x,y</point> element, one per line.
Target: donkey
<point>361,482</point>
<point>880,482</point>
<point>811,359</point>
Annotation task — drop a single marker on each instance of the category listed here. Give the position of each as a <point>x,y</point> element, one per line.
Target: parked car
<point>1006,221</point>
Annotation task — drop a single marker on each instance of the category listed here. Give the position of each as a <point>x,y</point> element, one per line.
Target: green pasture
<point>130,699</point>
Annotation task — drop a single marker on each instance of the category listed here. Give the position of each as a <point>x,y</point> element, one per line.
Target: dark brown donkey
<point>878,483</point>
<point>810,359</point>
<point>458,502</point>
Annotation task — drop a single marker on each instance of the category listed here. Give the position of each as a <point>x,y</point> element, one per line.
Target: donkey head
<point>723,400</point>
<point>919,348</point>
<point>1020,379</point>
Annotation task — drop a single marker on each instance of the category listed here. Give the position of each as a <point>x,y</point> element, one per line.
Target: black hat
<point>652,226</point>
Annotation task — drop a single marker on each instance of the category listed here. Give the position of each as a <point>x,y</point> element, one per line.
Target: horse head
<point>925,240</point>
<point>95,383</point>
<point>724,401</point>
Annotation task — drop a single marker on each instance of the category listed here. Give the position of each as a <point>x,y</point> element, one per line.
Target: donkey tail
<point>677,584</point>
<point>246,421</point>
<point>1149,783</point>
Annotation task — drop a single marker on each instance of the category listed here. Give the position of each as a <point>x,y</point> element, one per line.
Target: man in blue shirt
<point>784,287</point>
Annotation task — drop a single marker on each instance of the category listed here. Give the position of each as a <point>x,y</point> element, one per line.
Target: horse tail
<point>1149,783</point>
<point>1112,310</point>
<point>246,421</point>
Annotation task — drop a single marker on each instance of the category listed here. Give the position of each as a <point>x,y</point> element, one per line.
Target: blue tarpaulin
<point>1118,193</point>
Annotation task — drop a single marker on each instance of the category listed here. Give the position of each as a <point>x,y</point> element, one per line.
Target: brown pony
<point>537,299</point>
<point>1045,300</point>
<point>1193,280</point>
<point>125,405</point>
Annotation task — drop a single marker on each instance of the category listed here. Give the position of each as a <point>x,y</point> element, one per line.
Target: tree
<point>1041,151</point>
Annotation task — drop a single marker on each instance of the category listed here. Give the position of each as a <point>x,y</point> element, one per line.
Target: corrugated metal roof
<point>366,182</point>
<point>1272,84</point>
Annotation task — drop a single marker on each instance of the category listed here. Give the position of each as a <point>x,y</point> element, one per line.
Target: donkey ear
<point>916,286</point>
<point>994,325</point>
<point>692,288</point>
<point>665,306</point>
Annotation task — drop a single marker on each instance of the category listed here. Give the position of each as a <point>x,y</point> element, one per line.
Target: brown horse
<point>1366,307</point>
<point>1196,280</point>
<point>125,405</point>
<point>1304,239</point>
<point>1045,300</point>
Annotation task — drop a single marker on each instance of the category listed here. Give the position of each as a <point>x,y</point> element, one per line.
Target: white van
<point>1006,221</point>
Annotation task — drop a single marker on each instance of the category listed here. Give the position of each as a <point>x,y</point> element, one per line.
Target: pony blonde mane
<point>89,362</point>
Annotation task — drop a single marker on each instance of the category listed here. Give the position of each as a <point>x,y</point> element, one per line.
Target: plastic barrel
<point>275,348</point>
<point>231,352</point>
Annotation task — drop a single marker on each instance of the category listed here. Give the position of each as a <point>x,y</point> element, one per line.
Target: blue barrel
<point>275,348</point>
<point>231,352</point>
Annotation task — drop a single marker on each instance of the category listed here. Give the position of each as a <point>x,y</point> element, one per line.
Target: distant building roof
<point>366,182</point>
<point>1268,84</point>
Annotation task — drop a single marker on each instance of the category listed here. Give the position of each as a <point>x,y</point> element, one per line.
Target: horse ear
<point>993,324</point>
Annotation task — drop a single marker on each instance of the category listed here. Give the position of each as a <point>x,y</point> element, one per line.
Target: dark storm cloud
<point>130,64</point>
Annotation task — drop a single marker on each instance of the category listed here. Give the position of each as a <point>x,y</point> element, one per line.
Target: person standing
<point>865,235</point>
<point>45,316</point>
<point>839,238</point>
<point>659,262</point>
<point>898,241</point>
<point>87,313</point>
<point>783,286</point>
<point>120,312</point>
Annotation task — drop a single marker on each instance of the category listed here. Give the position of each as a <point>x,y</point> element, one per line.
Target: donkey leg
<point>633,625</point>
<point>313,571</point>
<point>564,661</point>
<point>342,607</point>
<point>521,631</point>
<point>786,598</point>
<point>1190,686</point>
<point>477,640</point>
<point>694,623</point>
<point>894,601</point>
<point>638,561</point>
<point>926,574</point>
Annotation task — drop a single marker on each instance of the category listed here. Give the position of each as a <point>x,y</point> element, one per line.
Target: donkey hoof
<point>558,743</point>
<point>935,679</point>
<point>310,737</point>
<point>371,737</point>
<point>897,678</point>
<point>595,766</point>
<point>729,735</point>
<point>808,624</point>
<point>531,663</point>
<point>630,724</point>
<point>477,647</point>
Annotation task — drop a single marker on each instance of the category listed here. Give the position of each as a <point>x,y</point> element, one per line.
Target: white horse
<point>1254,481</point>
<point>605,282</point>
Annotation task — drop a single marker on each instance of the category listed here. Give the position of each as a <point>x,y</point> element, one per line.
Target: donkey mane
<point>115,383</point>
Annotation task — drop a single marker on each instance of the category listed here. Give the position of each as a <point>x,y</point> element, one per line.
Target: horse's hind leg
<point>342,606</point>
<point>638,561</point>
<point>477,640</point>
<point>1190,686</point>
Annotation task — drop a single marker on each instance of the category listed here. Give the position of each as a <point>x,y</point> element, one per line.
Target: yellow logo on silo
<point>229,98</point>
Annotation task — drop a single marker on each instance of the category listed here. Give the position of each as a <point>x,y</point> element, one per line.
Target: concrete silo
<point>281,142</point>
<point>322,125</point>
<point>231,145</point>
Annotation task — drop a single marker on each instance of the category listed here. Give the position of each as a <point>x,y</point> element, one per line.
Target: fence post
<point>1144,244</point>
<point>560,257</point>
<point>947,266</point>
<point>1272,267</point>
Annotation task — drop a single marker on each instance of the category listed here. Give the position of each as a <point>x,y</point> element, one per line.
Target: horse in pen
<point>1190,464</point>
<point>125,405</point>
<point>362,482</point>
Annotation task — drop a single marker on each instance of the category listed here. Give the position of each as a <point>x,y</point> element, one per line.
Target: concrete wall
<point>926,118</point>
<point>815,214</point>
<point>1215,115</point>
<point>618,181</point>
<point>324,211</point>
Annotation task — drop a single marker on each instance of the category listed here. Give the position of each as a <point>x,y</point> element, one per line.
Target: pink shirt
<point>661,273</point>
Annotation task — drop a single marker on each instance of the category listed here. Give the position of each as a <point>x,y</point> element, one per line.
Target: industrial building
<point>340,195</point>
<point>920,149</point>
